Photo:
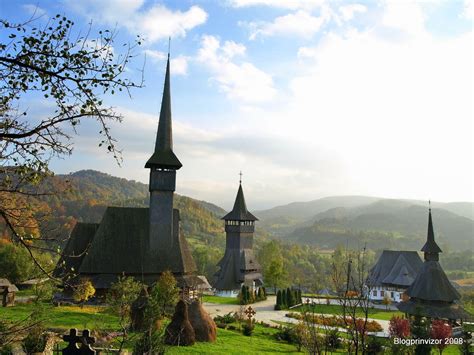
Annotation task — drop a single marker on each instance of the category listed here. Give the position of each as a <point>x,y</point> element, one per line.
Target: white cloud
<point>34,10</point>
<point>468,11</point>
<point>154,22</point>
<point>155,55</point>
<point>284,4</point>
<point>179,65</point>
<point>406,16</point>
<point>398,111</point>
<point>300,23</point>
<point>240,81</point>
<point>348,11</point>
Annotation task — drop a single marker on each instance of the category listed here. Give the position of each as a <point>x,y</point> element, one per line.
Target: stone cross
<point>72,339</point>
<point>85,340</point>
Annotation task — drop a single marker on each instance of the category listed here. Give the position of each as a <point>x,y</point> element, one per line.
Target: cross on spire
<point>240,178</point>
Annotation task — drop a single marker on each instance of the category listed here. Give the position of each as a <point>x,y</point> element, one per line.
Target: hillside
<point>385,223</point>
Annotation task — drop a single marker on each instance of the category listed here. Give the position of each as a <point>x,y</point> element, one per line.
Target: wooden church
<point>431,294</point>
<point>138,242</point>
<point>238,266</point>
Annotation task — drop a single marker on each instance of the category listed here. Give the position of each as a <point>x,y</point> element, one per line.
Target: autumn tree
<point>441,331</point>
<point>83,291</point>
<point>398,328</point>
<point>69,71</point>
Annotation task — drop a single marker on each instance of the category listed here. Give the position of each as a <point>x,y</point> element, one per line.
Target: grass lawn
<point>337,310</point>
<point>220,300</point>
<point>233,342</point>
<point>91,317</point>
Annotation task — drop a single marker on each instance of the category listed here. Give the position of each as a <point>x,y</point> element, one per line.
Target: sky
<point>307,98</point>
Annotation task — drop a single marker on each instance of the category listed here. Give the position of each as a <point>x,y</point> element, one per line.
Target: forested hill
<point>83,196</point>
<point>377,223</point>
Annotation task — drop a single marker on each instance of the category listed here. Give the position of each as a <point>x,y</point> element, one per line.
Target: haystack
<point>204,326</point>
<point>180,331</point>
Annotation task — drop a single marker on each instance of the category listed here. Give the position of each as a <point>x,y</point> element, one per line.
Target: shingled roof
<point>439,310</point>
<point>120,245</point>
<point>395,268</point>
<point>75,249</point>
<point>237,266</point>
<point>163,156</point>
<point>432,284</point>
<point>240,212</point>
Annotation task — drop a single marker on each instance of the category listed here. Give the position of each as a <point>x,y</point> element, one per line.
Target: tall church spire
<point>431,249</point>
<point>163,156</point>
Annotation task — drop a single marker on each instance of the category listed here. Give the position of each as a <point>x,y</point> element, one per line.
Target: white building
<point>393,273</point>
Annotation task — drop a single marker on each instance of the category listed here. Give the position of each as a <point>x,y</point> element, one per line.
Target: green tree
<point>120,298</point>
<point>163,297</point>
<point>15,263</point>
<point>271,259</point>
<point>83,291</point>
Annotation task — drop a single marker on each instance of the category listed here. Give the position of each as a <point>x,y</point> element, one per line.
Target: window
<point>392,294</point>
<point>382,293</point>
<point>374,293</point>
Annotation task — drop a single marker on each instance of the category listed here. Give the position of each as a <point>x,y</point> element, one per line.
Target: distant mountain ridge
<point>324,223</point>
<point>375,222</point>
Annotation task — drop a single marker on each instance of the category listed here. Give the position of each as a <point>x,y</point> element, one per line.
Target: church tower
<point>239,265</point>
<point>431,294</point>
<point>163,165</point>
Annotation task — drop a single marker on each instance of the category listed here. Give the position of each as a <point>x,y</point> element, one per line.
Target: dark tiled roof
<point>389,268</point>
<point>236,267</point>
<point>120,245</point>
<point>240,212</point>
<point>75,249</point>
<point>432,284</point>
<point>402,273</point>
<point>440,310</point>
<point>163,156</point>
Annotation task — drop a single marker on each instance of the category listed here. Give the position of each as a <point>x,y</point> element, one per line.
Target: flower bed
<point>335,321</point>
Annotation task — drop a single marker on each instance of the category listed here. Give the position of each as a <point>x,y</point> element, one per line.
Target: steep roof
<point>440,310</point>
<point>432,284</point>
<point>236,267</point>
<point>388,269</point>
<point>430,246</point>
<point>75,249</point>
<point>402,273</point>
<point>163,156</point>
<point>120,245</point>
<point>240,212</point>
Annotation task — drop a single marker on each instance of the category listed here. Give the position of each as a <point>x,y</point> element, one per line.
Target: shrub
<point>149,343</point>
<point>226,318</point>
<point>247,329</point>
<point>332,340</point>
<point>374,346</point>
<point>399,327</point>
<point>35,341</point>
